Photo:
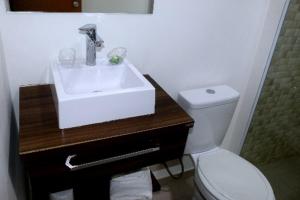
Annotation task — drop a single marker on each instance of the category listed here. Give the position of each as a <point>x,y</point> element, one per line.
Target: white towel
<point>134,186</point>
<point>63,195</point>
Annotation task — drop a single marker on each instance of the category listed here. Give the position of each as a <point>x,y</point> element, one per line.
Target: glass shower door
<point>273,139</point>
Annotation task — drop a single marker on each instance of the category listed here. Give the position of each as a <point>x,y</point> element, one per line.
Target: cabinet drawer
<point>104,156</point>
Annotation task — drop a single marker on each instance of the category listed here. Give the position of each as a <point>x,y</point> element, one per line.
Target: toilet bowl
<point>222,175</point>
<point>219,174</point>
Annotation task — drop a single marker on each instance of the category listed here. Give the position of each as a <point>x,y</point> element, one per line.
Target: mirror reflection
<point>85,6</point>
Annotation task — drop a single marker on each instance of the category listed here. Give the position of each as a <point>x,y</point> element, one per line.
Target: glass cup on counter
<point>67,57</point>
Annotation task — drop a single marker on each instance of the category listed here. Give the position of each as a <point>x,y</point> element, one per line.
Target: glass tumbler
<point>67,57</point>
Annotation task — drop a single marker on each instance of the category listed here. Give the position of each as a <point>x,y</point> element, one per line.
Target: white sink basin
<point>86,95</point>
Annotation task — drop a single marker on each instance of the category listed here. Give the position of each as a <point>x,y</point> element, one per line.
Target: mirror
<point>85,6</point>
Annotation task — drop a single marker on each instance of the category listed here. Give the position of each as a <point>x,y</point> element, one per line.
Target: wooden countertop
<point>39,126</point>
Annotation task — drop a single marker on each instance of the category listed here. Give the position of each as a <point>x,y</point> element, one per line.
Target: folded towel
<point>62,195</point>
<point>134,186</point>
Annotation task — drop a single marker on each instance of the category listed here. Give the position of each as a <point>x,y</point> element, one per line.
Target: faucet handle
<point>99,42</point>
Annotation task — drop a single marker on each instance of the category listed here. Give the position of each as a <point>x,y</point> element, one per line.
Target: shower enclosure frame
<point>269,22</point>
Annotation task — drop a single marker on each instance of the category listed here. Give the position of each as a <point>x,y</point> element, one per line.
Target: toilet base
<point>197,194</point>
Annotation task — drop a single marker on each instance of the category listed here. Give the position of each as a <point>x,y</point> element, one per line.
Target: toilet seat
<point>223,175</point>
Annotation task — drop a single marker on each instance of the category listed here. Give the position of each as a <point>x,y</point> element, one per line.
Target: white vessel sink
<point>86,95</point>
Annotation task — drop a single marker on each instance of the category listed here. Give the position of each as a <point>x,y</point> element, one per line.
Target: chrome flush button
<point>210,91</point>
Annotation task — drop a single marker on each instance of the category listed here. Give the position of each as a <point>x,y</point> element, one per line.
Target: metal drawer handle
<point>107,160</point>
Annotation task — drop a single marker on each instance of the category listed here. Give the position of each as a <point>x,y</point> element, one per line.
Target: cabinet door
<point>46,5</point>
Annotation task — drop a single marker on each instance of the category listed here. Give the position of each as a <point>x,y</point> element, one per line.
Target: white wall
<point>6,188</point>
<point>117,6</point>
<point>183,45</point>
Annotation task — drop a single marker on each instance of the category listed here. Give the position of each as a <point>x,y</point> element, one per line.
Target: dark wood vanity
<point>46,5</point>
<point>98,151</point>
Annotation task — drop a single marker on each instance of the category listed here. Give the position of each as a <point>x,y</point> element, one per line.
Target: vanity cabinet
<point>85,158</point>
<point>46,5</point>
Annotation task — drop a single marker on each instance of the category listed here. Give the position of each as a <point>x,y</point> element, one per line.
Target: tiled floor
<point>284,176</point>
<point>181,189</point>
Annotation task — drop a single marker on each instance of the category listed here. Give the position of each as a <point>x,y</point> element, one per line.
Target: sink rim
<point>63,96</point>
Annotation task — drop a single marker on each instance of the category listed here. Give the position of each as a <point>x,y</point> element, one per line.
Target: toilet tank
<point>212,109</point>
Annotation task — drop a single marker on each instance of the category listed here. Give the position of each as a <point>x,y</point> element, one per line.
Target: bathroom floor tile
<point>171,189</point>
<point>284,176</point>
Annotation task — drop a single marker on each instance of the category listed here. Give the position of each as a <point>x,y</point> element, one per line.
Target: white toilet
<point>219,174</point>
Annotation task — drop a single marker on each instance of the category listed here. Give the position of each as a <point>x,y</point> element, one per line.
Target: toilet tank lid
<point>209,96</point>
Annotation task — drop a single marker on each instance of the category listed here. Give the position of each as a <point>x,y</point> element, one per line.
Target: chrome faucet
<point>92,42</point>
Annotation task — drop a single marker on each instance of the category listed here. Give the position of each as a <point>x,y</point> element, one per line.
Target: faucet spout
<point>92,42</point>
